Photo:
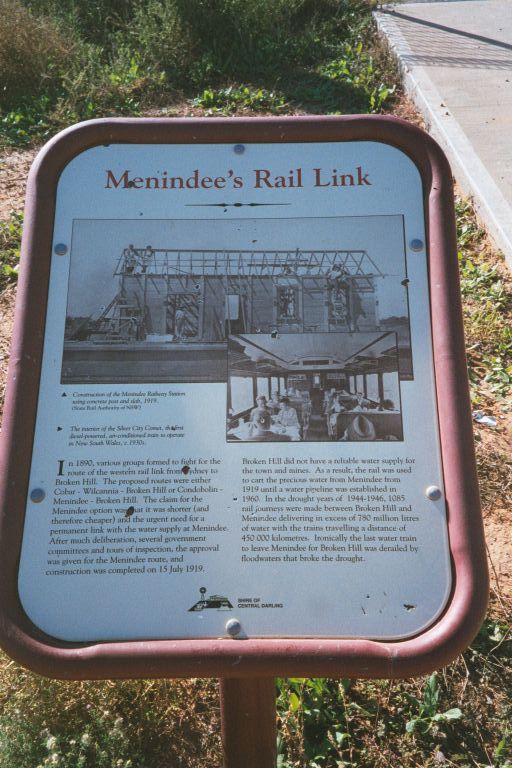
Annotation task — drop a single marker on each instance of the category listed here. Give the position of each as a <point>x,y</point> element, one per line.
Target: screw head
<point>37,495</point>
<point>433,493</point>
<point>239,149</point>
<point>233,627</point>
<point>61,249</point>
<point>417,245</point>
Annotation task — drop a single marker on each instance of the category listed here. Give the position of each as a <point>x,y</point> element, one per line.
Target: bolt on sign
<point>237,427</point>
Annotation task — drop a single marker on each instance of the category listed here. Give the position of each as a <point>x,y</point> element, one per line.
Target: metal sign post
<point>249,731</point>
<point>238,366</point>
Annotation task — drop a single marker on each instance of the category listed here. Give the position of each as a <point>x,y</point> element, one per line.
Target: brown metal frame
<point>256,658</point>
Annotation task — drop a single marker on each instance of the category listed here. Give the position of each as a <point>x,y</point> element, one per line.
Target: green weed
<point>225,101</point>
<point>316,716</point>
<point>24,125</point>
<point>10,243</point>
<point>356,68</point>
<point>89,59</point>
<point>428,714</point>
<point>97,89</point>
<point>487,305</point>
<point>458,716</point>
<point>502,752</point>
<point>495,636</point>
<point>262,38</point>
<point>160,39</point>
<point>484,281</point>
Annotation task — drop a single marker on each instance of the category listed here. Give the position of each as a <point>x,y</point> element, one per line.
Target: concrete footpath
<point>456,59</point>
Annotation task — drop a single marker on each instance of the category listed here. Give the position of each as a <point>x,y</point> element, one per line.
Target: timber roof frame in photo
<point>224,657</point>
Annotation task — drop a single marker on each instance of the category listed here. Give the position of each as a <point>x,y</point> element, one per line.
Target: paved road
<point>456,56</point>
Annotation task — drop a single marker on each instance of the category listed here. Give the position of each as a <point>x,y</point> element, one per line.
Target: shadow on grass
<point>317,94</point>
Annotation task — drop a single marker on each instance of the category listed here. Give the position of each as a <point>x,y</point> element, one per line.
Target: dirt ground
<point>490,443</point>
<point>14,168</point>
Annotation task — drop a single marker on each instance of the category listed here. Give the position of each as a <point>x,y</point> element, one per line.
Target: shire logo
<point>218,602</point>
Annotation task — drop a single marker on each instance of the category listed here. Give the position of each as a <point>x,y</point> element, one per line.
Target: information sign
<point>239,376</point>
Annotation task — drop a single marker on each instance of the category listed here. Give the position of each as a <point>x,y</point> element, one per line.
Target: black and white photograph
<point>155,301</point>
<point>313,387</point>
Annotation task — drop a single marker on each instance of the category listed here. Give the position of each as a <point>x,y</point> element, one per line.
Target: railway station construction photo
<point>156,301</point>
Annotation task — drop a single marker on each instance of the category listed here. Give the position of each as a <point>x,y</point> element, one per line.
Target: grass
<point>67,61</point>
<point>487,301</point>
<point>10,244</point>
<point>459,716</point>
<point>219,57</point>
<point>131,724</point>
<point>235,100</point>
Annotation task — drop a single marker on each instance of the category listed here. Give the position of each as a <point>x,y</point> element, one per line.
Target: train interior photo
<point>313,387</point>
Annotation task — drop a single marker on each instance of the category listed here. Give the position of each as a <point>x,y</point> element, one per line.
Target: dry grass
<point>32,54</point>
<point>494,473</point>
<point>141,723</point>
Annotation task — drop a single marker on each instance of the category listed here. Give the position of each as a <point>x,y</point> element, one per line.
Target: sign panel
<point>237,424</point>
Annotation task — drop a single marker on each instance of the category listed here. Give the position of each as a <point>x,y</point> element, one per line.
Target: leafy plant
<point>487,304</point>
<point>235,98</point>
<point>483,281</point>
<point>69,60</point>
<point>10,243</point>
<point>494,636</point>
<point>502,752</point>
<point>428,708</point>
<point>261,38</point>
<point>315,713</point>
<point>356,67</point>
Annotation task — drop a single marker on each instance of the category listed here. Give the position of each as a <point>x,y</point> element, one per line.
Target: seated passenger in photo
<point>274,402</point>
<point>337,405</point>
<point>328,400</point>
<point>287,416</point>
<point>261,405</point>
<point>362,403</point>
<point>336,408</point>
<point>260,428</point>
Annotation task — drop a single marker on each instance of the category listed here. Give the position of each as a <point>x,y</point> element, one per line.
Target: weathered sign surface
<point>241,426</point>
